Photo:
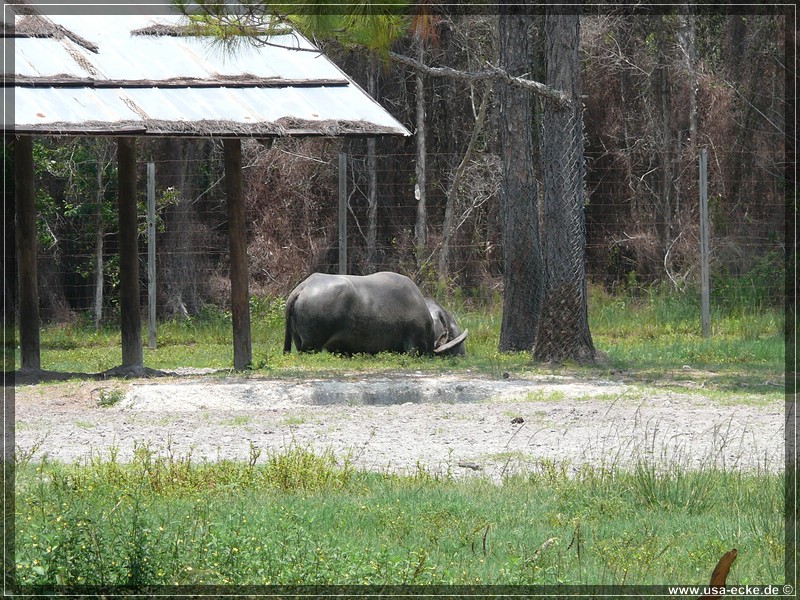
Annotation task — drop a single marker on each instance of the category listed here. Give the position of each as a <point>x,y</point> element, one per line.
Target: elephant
<point>350,314</point>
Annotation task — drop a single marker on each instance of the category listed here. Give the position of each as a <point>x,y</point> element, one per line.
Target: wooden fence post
<point>28,299</point>
<point>237,231</point>
<point>151,255</point>
<point>129,304</point>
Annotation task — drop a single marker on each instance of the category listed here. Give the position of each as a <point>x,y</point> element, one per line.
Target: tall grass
<point>304,518</point>
<point>300,517</point>
<point>653,329</point>
<point>662,330</point>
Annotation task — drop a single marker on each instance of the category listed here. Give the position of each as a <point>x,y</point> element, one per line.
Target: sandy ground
<point>446,424</point>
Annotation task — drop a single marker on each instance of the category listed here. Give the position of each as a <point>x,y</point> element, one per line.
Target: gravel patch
<point>456,424</point>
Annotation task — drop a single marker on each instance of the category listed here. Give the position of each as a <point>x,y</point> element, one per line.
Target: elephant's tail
<point>287,336</point>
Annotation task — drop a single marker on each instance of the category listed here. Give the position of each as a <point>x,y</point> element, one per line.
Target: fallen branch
<point>491,73</point>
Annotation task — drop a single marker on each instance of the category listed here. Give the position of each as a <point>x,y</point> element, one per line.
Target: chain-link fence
<point>563,329</point>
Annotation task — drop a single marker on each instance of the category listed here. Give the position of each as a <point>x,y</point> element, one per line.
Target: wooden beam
<point>129,304</point>
<point>28,299</point>
<point>237,230</point>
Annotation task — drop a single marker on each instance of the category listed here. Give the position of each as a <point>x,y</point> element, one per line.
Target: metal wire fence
<point>291,190</point>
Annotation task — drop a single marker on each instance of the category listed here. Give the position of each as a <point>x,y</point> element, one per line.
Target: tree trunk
<point>563,332</point>
<point>665,96</point>
<point>129,302</point>
<point>28,298</point>
<point>688,42</point>
<point>237,232</point>
<point>180,264</point>
<point>10,293</point>
<point>372,210</point>
<point>519,211</point>
<point>421,227</point>
<point>624,34</point>
<point>687,176</point>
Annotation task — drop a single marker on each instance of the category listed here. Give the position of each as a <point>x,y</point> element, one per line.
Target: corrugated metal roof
<point>92,74</point>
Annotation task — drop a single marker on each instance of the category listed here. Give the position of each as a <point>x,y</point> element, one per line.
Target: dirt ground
<point>459,424</point>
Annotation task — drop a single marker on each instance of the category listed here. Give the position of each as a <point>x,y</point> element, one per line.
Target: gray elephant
<point>363,314</point>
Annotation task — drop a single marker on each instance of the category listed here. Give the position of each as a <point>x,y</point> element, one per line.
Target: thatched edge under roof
<point>34,25</point>
<point>191,30</point>
<point>229,81</point>
<point>285,127</point>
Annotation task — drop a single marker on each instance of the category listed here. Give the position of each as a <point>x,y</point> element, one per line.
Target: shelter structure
<point>142,75</point>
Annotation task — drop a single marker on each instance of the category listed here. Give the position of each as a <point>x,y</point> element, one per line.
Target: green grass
<point>655,335</point>
<point>300,517</point>
<point>665,330</point>
<point>656,339</point>
<point>238,421</point>
<point>652,338</point>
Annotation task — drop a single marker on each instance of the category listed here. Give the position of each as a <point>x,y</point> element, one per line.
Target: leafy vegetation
<point>304,518</point>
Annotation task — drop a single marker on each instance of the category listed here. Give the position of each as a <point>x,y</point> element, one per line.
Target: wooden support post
<point>28,299</point>
<point>129,304</point>
<point>705,289</point>
<point>237,230</point>
<point>342,213</point>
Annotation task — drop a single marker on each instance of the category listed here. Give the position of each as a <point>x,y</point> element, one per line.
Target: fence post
<point>237,232</point>
<point>129,302</point>
<point>342,213</point>
<point>28,298</point>
<point>705,292</point>
<point>151,255</point>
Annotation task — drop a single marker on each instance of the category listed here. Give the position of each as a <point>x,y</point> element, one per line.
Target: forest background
<point>655,89</point>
